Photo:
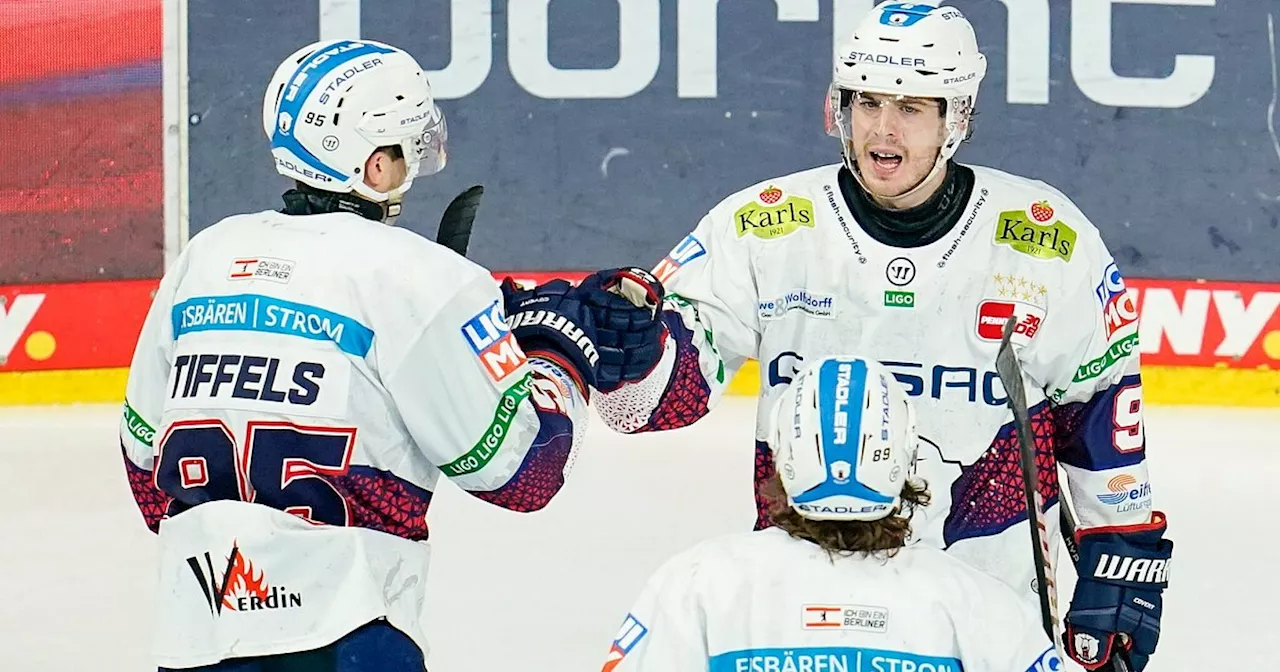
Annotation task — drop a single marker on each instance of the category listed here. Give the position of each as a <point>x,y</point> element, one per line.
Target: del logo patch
<point>493,343</point>
<point>629,635</point>
<point>686,251</point>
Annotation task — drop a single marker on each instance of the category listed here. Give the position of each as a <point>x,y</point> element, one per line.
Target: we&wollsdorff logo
<point>240,587</point>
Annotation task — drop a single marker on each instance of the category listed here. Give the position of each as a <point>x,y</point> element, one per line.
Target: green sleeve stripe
<point>479,456</point>
<point>138,427</point>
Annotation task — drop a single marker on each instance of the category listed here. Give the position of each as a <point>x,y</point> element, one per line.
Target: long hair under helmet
<point>909,49</point>
<point>331,104</point>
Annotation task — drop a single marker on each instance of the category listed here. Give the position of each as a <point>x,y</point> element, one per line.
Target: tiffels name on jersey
<point>846,617</point>
<point>492,342</point>
<point>686,251</point>
<point>261,268</point>
<point>817,305</point>
<point>771,217</point>
<point>245,377</point>
<point>1017,230</point>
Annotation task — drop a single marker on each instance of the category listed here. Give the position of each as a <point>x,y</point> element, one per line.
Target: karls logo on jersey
<point>493,343</point>
<point>1117,305</point>
<point>846,617</point>
<point>684,252</point>
<point>15,317</point>
<point>817,305</point>
<point>992,316</point>
<point>241,587</point>
<point>629,635</point>
<point>1126,494</point>
<point>769,216</point>
<point>1025,233</point>
<point>261,268</point>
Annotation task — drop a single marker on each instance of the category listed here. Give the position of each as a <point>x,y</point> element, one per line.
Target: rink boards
<point>1206,343</point>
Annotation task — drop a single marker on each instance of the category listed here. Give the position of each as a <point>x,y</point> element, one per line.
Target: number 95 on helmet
<point>331,104</point>
<point>844,440</point>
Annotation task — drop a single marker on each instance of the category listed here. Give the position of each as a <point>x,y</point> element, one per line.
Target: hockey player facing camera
<point>305,377</point>
<point>902,254</point>
<point>833,585</point>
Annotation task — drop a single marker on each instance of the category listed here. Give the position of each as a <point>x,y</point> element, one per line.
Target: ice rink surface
<point>546,592</point>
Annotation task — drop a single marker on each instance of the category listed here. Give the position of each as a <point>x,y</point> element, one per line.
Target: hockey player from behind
<point>304,378</point>
<point>904,255</point>
<point>833,585</point>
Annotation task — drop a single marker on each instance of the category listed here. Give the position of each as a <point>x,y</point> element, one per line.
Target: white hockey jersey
<point>782,272</point>
<point>299,386</point>
<point>764,602</point>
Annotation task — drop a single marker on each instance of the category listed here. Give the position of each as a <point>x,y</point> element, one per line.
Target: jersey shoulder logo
<point>772,214</point>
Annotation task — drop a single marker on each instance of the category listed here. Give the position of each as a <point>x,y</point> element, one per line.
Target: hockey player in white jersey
<point>305,377</point>
<point>903,254</point>
<point>833,585</point>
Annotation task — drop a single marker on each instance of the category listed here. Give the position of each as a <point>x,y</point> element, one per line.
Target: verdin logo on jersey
<point>684,252</point>
<point>240,587</point>
<point>493,343</point>
<point>993,314</point>
<point>769,216</point>
<point>1020,231</point>
<point>1117,305</point>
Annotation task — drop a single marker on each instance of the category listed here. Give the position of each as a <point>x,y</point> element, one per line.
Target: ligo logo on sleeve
<point>630,634</point>
<point>493,343</point>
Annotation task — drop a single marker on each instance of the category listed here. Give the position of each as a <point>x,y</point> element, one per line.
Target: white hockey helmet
<point>844,440</point>
<point>910,49</point>
<point>332,103</point>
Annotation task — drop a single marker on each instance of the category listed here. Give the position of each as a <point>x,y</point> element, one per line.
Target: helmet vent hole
<point>927,46</point>
<point>335,118</point>
<point>341,101</point>
<point>899,80</point>
<point>399,97</point>
<point>864,78</point>
<point>926,73</point>
<point>889,39</point>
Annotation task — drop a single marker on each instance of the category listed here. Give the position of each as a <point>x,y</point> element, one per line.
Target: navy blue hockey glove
<point>552,322</point>
<point>625,305</point>
<point>1123,572</point>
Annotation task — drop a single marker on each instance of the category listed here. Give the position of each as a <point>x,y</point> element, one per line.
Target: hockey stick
<point>1010,371</point>
<point>455,224</point>
<point>1011,376</point>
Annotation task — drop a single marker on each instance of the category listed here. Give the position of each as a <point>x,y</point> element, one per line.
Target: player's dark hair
<point>846,538</point>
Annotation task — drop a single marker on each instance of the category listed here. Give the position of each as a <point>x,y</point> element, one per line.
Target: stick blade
<point>457,220</point>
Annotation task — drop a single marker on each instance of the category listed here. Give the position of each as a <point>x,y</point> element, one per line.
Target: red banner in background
<point>95,324</point>
<point>82,158</point>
